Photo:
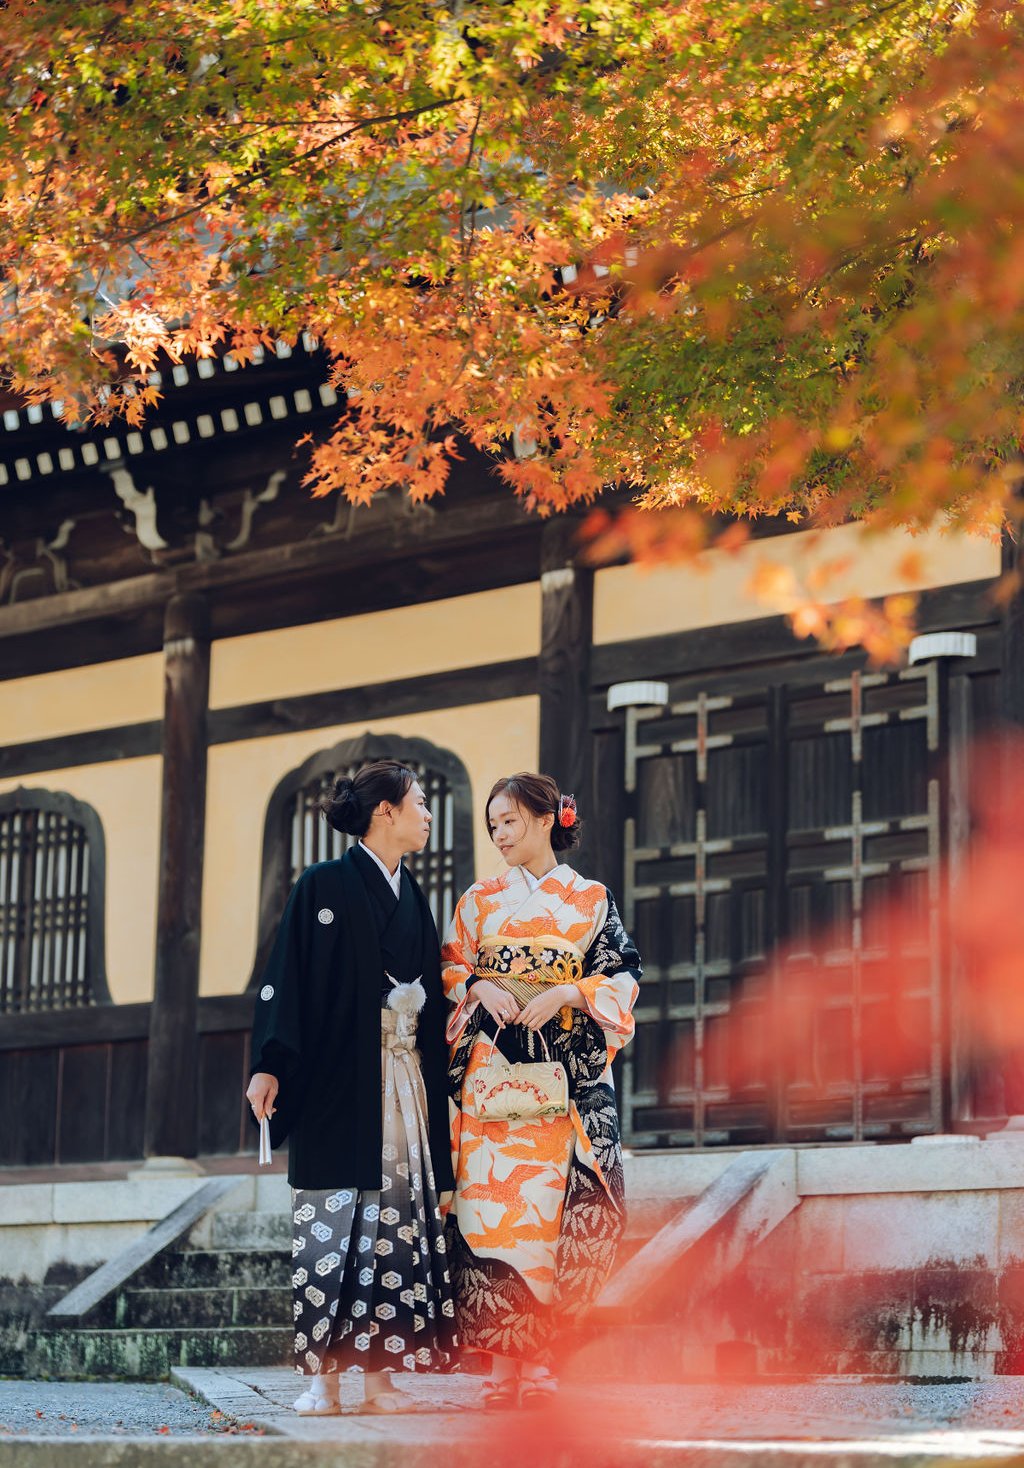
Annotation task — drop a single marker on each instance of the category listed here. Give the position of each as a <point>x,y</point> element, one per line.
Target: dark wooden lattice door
<point>762,819</point>
<point>863,837</point>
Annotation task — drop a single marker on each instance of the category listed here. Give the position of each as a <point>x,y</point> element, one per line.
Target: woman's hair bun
<point>565,835</point>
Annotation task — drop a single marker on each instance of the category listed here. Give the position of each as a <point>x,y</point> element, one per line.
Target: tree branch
<point>267,171</point>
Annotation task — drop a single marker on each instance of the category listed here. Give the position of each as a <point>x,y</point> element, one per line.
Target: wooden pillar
<point>1011,675</point>
<point>173,1067</point>
<point>1011,716</point>
<point>567,627</point>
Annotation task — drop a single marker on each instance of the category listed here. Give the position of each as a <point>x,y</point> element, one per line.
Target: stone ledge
<point>926,1165</point>
<point>673,1174</point>
<point>121,1200</point>
<point>22,1203</point>
<point>966,1166</point>
<point>135,1199</point>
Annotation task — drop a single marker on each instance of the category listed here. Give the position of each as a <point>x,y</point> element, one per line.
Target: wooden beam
<point>173,1069</point>
<point>81,645</point>
<point>92,747</point>
<point>304,602</point>
<point>100,1024</point>
<point>427,576</point>
<point>92,603</point>
<point>113,1024</point>
<point>226,1013</point>
<point>452,531</point>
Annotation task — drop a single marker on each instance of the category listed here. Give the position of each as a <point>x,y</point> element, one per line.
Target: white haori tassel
<point>406,1000</point>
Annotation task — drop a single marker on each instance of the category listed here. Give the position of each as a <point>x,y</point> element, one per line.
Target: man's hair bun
<point>342,807</point>
<point>351,801</point>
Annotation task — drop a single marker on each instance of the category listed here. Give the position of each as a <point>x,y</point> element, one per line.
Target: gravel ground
<point>58,1409</point>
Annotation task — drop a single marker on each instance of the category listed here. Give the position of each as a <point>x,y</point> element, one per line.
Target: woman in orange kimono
<point>538,951</point>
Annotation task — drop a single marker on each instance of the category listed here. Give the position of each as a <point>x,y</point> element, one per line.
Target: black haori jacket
<point>317,1024</point>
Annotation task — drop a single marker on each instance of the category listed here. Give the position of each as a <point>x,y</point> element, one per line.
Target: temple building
<point>191,647</point>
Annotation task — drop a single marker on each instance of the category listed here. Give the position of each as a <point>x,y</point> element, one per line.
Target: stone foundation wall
<point>899,1260</point>
<point>909,1284</point>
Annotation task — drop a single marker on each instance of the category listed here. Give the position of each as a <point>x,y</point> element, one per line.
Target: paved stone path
<point>968,1418</point>
<point>242,1418</point>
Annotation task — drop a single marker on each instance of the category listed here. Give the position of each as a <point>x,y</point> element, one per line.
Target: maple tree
<point>749,257</point>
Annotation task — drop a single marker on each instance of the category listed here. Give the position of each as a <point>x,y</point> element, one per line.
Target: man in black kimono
<point>352,985</point>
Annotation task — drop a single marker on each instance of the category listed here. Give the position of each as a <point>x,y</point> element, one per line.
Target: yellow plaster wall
<point>491,739</point>
<point>126,691</point>
<point>631,602</point>
<point>126,796</point>
<point>461,632</point>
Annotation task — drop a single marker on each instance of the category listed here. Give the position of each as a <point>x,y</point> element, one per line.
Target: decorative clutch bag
<point>517,1091</point>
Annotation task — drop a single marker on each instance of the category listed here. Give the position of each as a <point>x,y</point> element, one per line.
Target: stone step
<point>142,1355</point>
<point>238,1231</point>
<point>246,1232</point>
<point>202,1309</point>
<point>217,1269</point>
<point>205,1306</point>
<point>190,1285</point>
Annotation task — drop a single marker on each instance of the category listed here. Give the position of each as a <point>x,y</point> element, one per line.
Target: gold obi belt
<point>523,967</point>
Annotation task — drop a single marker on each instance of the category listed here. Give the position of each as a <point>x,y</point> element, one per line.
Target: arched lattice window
<point>296,835</point>
<point>51,903</point>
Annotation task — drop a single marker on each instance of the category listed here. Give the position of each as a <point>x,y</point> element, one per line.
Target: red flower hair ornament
<point>567,810</point>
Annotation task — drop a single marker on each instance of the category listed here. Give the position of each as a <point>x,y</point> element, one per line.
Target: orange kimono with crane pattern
<point>539,1203</point>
